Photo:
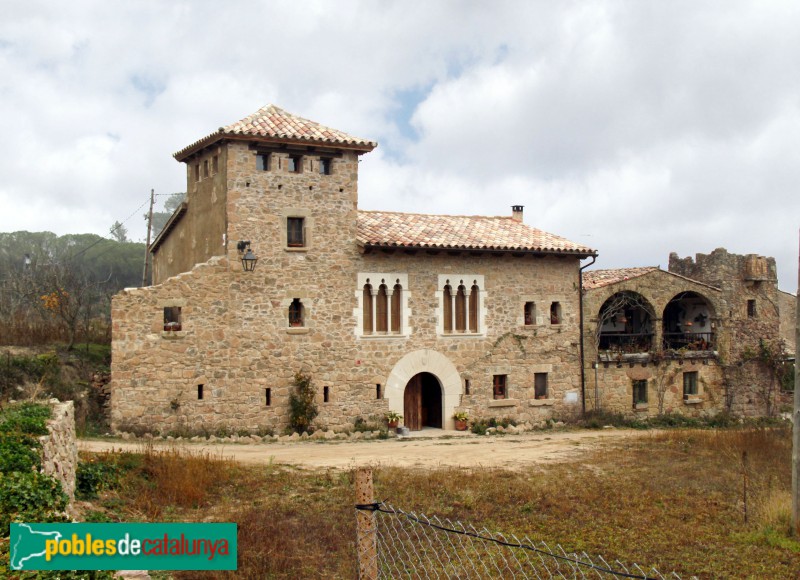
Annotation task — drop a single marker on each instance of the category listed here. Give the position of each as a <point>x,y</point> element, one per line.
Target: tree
<point>119,232</point>
<point>160,218</point>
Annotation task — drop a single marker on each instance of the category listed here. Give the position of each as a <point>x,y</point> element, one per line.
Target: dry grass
<point>674,500</point>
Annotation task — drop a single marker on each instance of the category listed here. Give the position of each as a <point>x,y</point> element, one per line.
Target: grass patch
<point>673,500</point>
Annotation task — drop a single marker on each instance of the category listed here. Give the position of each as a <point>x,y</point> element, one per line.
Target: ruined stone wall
<point>752,316</point>
<point>59,448</point>
<point>787,304</point>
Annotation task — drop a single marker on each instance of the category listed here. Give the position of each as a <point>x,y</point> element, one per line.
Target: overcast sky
<point>637,128</point>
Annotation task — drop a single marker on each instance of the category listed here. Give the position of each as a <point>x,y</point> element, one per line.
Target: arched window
<point>367,311</point>
<point>296,313</point>
<point>461,309</point>
<point>473,308</point>
<point>382,310</point>
<point>447,299</point>
<point>555,313</point>
<point>397,305</point>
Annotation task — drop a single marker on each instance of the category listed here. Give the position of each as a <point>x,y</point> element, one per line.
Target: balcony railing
<point>689,341</point>
<point>626,342</point>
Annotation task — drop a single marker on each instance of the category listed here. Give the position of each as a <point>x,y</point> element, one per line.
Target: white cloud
<point>637,128</point>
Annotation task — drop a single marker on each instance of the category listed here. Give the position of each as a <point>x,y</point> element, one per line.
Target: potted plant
<point>461,418</point>
<point>393,419</point>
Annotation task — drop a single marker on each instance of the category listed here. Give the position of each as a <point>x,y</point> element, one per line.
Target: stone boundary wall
<point>59,447</point>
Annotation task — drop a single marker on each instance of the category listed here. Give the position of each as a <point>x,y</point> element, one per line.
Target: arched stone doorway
<point>422,402</point>
<point>440,368</point>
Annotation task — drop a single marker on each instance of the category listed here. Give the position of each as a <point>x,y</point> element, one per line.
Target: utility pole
<point>147,246</point>
<point>796,415</point>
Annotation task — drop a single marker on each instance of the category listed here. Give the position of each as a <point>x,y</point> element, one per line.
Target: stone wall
<point>752,317</point>
<point>235,342</point>
<point>59,448</point>
<point>788,308</point>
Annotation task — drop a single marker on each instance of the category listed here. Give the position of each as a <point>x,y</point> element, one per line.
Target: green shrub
<point>19,452</point>
<point>30,497</point>
<point>30,418</point>
<point>302,408</point>
<point>94,476</point>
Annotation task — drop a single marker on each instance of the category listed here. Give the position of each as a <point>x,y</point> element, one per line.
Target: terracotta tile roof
<point>480,233</point>
<point>274,124</point>
<point>600,278</point>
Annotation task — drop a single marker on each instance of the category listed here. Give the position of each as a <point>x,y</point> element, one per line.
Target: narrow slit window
<point>751,308</point>
<point>215,164</point>
<point>378,391</point>
<point>200,392</point>
<point>326,394</point>
<point>205,168</point>
<point>466,386</point>
<point>268,396</point>
<point>197,172</point>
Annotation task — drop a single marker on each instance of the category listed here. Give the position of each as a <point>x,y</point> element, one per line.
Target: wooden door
<point>412,404</point>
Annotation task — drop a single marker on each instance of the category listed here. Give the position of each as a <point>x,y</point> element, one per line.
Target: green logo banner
<point>173,546</point>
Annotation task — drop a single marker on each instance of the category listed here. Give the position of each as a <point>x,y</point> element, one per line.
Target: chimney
<point>516,212</point>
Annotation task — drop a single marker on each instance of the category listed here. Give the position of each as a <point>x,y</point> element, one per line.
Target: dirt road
<point>510,451</point>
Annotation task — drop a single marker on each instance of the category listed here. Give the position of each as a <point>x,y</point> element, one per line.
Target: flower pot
<point>393,424</point>
<point>461,425</point>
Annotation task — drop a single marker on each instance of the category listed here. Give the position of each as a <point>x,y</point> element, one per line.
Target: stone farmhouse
<point>269,268</point>
<point>420,314</point>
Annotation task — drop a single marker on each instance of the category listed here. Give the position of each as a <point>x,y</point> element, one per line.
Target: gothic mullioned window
<point>383,304</point>
<point>461,304</point>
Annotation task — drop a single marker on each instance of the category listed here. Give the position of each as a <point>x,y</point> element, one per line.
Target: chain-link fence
<point>393,543</point>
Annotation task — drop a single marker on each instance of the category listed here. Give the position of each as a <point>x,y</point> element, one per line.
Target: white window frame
<point>375,279</point>
<point>455,280</point>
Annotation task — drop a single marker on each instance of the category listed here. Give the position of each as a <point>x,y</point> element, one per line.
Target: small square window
<point>751,308</point>
<point>500,386</point>
<point>690,383</point>
<point>295,232</point>
<point>325,166</point>
<point>639,392</point>
<point>294,164</point>
<point>540,385</point>
<point>264,162</point>
<point>172,318</point>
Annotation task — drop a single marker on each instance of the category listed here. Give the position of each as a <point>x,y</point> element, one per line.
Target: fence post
<point>366,527</point>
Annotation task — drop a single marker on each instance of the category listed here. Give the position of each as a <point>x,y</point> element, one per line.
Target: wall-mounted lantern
<point>249,259</point>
